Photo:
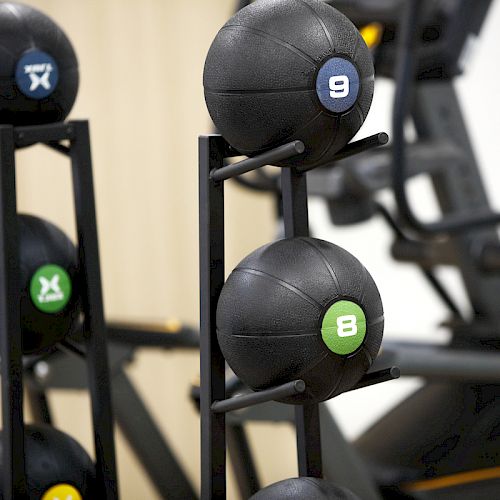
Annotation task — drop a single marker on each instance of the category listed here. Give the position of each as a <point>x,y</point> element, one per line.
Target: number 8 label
<point>346,326</point>
<point>343,327</point>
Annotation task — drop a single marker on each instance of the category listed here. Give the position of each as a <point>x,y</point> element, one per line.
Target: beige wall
<point>141,71</point>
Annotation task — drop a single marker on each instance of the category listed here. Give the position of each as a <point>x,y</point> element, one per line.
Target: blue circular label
<point>37,74</point>
<point>337,84</point>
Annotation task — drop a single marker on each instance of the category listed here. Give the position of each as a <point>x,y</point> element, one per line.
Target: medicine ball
<point>57,467</point>
<point>50,305</point>
<point>300,308</point>
<point>38,68</point>
<point>302,488</point>
<point>285,70</point>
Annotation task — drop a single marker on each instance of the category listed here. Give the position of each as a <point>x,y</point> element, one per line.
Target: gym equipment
<point>42,293</point>
<point>283,71</point>
<point>57,467</point>
<point>38,68</point>
<point>213,403</point>
<point>65,369</point>
<point>304,487</point>
<point>93,346</point>
<point>49,286</point>
<point>445,31</point>
<point>304,309</point>
<point>464,428</point>
<point>249,309</point>
<point>447,443</point>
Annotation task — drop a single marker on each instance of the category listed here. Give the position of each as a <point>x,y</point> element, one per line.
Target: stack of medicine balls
<point>298,308</point>
<point>38,85</point>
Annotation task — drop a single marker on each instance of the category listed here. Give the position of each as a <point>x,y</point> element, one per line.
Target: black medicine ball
<point>57,467</point>
<point>285,70</point>
<point>301,488</point>
<point>50,304</point>
<point>300,308</point>
<point>38,68</point>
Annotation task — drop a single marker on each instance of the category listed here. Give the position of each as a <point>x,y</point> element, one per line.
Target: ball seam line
<point>339,379</point>
<point>284,284</point>
<point>304,126</point>
<point>312,365</point>
<point>366,352</point>
<point>325,262</point>
<point>212,91</point>
<point>253,152</point>
<point>365,282</point>
<point>355,50</point>
<point>333,137</point>
<point>322,24</point>
<point>267,336</point>
<point>376,321</point>
<point>274,39</point>
<point>357,107</point>
<point>289,333</point>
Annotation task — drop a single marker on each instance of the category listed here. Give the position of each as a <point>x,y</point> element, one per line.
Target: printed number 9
<point>339,86</point>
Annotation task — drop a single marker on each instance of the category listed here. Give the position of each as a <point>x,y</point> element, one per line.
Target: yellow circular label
<point>62,492</point>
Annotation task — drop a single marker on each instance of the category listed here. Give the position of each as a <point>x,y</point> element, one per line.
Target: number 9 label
<point>337,85</point>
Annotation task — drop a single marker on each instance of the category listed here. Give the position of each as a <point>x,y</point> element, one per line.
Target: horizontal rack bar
<point>54,132</point>
<point>377,377</point>
<point>254,398</point>
<point>357,147</point>
<point>268,158</point>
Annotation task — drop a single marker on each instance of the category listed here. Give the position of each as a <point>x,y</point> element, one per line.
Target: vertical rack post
<point>307,421</point>
<point>213,435</point>
<point>213,403</point>
<point>97,358</point>
<point>13,476</point>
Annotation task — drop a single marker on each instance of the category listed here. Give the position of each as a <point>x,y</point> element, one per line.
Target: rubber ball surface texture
<point>285,70</point>
<point>53,457</point>
<point>274,318</point>
<point>38,68</point>
<point>304,488</point>
<point>42,243</point>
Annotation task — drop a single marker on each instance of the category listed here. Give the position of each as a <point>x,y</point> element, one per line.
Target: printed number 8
<point>339,86</point>
<point>346,326</point>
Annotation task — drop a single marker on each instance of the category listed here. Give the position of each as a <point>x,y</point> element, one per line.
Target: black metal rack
<point>67,370</point>
<point>213,149</point>
<point>78,150</point>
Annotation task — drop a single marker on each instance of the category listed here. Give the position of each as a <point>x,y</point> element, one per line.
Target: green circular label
<point>50,288</point>
<point>344,327</point>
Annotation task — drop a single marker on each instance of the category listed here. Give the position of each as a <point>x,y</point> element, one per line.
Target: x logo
<point>42,80</point>
<point>48,285</point>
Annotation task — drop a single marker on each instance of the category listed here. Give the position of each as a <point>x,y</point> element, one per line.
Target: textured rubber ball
<point>55,464</point>
<point>284,70</point>
<point>38,68</point>
<point>300,308</point>
<point>50,305</point>
<point>302,488</point>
